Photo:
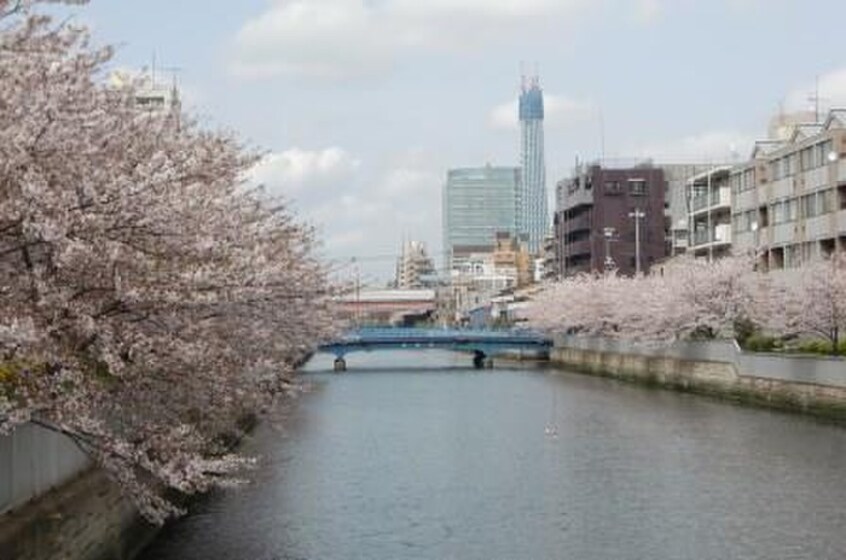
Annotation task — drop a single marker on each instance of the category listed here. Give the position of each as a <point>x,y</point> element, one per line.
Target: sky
<point>361,106</point>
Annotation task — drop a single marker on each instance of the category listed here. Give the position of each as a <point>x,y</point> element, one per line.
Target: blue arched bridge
<point>483,344</point>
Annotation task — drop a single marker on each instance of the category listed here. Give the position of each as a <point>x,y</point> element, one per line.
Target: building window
<point>637,187</point>
<point>825,149</point>
<point>763,217</point>
<point>825,200</point>
<point>806,157</point>
<point>613,187</point>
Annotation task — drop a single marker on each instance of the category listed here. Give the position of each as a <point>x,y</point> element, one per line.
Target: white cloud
<point>346,38</point>
<point>296,171</point>
<point>317,38</point>
<point>648,12</point>
<point>559,112</point>
<point>372,217</point>
<point>832,92</point>
<point>711,146</point>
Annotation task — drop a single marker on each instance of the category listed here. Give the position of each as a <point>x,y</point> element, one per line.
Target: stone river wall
<point>810,384</point>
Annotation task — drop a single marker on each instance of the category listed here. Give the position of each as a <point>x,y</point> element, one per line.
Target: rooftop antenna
<point>523,78</point>
<point>174,71</point>
<point>601,137</point>
<point>815,98</point>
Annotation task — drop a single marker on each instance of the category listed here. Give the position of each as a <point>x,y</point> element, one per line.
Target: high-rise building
<point>478,203</point>
<point>532,212</point>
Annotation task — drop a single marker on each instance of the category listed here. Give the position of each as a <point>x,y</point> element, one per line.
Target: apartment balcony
<point>581,247</point>
<point>579,223</point>
<point>719,235</point>
<point>841,170</point>
<point>716,200</point>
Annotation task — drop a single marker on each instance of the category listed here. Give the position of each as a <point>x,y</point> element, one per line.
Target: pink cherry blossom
<point>149,298</point>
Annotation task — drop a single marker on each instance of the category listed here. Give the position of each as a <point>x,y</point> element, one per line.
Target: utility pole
<point>638,215</point>
<point>357,292</point>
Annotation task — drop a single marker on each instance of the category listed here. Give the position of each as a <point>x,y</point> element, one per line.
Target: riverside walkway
<point>482,343</point>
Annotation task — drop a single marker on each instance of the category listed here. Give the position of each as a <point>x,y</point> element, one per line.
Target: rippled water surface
<point>414,455</point>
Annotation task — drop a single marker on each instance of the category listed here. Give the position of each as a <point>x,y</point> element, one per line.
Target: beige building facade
<point>789,199</point>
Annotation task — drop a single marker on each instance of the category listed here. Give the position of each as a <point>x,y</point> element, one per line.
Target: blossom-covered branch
<point>149,298</point>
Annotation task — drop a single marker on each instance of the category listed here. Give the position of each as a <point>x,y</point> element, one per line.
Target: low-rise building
<point>790,198</point>
<point>676,203</point>
<point>415,268</point>
<point>709,201</point>
<point>610,217</point>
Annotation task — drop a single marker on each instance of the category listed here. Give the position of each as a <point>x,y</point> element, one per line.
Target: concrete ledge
<point>712,378</point>
<point>84,519</point>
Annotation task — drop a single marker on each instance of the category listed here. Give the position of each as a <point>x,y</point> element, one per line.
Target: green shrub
<point>760,343</point>
<point>815,347</point>
<point>744,329</point>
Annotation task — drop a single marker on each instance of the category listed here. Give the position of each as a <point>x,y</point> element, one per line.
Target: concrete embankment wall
<point>32,461</point>
<point>815,385</point>
<point>55,505</point>
<point>87,518</point>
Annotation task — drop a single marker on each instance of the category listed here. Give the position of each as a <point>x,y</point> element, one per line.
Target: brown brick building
<point>595,227</point>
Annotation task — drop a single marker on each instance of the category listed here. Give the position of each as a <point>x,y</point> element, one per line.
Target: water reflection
<point>415,455</point>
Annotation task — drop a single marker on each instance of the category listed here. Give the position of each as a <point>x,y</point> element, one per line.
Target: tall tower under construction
<point>532,213</point>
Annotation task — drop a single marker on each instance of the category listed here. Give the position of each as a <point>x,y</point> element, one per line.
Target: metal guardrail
<point>368,338</point>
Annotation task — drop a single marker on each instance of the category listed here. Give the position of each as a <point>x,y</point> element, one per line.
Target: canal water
<point>417,456</point>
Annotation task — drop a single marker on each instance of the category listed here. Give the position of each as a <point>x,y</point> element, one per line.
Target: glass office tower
<point>478,203</point>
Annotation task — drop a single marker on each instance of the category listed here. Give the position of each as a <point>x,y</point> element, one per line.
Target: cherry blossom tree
<point>692,298</point>
<point>807,301</point>
<point>149,298</point>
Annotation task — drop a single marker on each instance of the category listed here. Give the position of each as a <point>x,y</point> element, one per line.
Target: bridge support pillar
<point>340,365</point>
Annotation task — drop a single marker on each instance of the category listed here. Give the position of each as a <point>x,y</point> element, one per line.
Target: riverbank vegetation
<point>149,297</point>
<point>801,309</point>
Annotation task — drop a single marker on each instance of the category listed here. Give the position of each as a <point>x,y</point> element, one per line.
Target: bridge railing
<point>399,334</point>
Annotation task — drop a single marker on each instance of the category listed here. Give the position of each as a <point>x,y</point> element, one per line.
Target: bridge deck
<point>484,341</point>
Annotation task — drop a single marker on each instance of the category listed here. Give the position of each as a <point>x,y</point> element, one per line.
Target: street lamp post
<point>638,215</point>
<point>608,233</point>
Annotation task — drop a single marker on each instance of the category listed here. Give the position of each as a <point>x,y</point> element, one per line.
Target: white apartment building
<point>789,200</point>
<point>709,200</point>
